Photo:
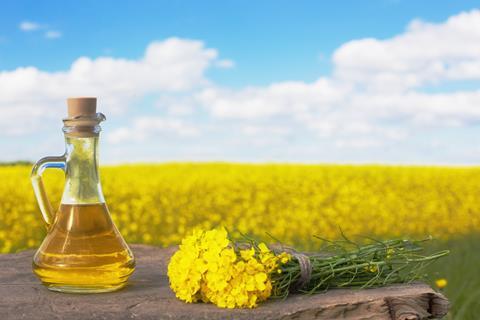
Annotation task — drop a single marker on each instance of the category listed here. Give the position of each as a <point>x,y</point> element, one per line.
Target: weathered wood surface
<point>149,297</point>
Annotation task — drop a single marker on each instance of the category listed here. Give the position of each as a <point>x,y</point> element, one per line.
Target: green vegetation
<point>461,269</point>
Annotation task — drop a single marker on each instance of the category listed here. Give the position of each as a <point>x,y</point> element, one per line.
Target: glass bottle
<point>83,251</point>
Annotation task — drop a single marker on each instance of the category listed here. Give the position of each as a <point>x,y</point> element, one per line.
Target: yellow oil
<point>83,252</point>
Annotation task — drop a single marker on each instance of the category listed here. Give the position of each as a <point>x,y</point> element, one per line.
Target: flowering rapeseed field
<point>160,204</point>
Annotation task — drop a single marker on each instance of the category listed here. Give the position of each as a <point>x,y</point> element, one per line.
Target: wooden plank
<point>149,297</point>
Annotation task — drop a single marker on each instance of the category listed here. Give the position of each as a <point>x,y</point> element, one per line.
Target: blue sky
<point>287,81</point>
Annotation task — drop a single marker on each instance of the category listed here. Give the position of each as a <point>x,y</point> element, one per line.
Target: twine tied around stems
<point>303,262</point>
<point>305,270</point>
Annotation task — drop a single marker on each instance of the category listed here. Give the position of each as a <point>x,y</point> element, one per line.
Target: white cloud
<point>376,92</point>
<point>284,98</point>
<point>176,105</point>
<point>265,130</point>
<point>360,143</point>
<point>377,96</point>
<point>53,34</point>
<point>425,53</point>
<point>144,128</point>
<point>167,66</point>
<point>225,64</point>
<point>29,26</point>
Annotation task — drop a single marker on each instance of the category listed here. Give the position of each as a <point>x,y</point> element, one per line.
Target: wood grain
<point>148,297</point>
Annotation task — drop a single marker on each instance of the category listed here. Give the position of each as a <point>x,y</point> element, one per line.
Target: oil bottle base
<point>84,289</point>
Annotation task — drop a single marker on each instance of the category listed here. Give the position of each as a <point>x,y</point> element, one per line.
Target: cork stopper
<point>83,119</point>
<point>82,106</point>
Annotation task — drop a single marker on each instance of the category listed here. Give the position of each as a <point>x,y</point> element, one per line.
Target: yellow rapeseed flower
<point>372,268</point>
<point>390,252</point>
<point>293,202</point>
<point>441,283</point>
<point>206,267</point>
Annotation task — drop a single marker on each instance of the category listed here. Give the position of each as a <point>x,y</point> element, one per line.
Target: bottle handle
<point>58,162</point>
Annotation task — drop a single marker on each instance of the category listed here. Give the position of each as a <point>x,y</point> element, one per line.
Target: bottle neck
<point>82,185</point>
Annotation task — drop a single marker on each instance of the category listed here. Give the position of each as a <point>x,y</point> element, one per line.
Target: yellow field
<point>159,204</point>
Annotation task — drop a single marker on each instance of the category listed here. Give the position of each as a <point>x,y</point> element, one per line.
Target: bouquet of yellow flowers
<point>210,267</point>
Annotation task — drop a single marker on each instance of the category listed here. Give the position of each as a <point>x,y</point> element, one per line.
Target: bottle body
<point>83,251</point>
